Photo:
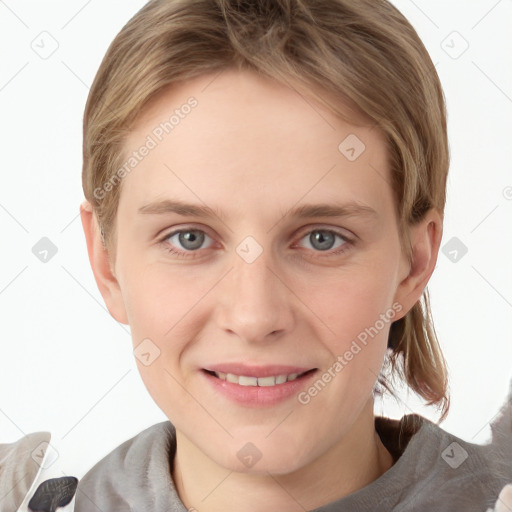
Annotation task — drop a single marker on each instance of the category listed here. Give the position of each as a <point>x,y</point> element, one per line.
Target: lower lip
<point>258,396</point>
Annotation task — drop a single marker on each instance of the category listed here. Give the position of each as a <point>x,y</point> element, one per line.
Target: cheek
<point>165,313</point>
<point>159,304</point>
<point>359,311</point>
<point>162,384</point>
<point>158,298</point>
<point>354,300</point>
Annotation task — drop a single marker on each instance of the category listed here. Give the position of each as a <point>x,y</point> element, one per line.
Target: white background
<point>66,366</point>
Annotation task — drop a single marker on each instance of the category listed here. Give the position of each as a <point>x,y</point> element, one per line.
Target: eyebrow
<point>301,212</point>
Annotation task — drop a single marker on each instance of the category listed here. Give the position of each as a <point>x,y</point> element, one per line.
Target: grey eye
<point>322,239</point>
<point>187,239</point>
<point>191,239</point>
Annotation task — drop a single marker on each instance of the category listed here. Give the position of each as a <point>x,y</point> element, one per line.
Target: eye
<point>187,242</point>
<point>189,239</point>
<point>323,240</point>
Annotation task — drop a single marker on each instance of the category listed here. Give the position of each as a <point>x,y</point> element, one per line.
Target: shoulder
<point>130,472</point>
<point>450,473</point>
<point>134,450</point>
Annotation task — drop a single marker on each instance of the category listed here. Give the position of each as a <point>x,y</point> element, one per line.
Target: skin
<point>255,149</point>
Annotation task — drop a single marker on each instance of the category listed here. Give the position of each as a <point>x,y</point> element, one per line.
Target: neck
<point>351,464</point>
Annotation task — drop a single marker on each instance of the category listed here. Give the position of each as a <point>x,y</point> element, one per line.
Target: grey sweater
<point>433,471</point>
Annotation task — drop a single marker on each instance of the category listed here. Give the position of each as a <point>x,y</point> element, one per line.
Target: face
<point>230,298</point>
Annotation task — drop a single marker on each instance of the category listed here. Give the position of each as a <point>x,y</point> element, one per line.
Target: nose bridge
<point>254,301</point>
<point>253,278</point>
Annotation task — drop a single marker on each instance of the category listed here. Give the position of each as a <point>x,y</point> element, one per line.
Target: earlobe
<point>101,265</point>
<point>425,238</point>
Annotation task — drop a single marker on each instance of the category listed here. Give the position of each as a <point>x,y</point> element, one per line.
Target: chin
<point>260,457</point>
<point>275,466</point>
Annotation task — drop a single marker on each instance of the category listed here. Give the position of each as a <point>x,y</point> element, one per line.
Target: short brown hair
<point>364,53</point>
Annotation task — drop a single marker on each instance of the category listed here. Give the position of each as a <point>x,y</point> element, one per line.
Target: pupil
<point>191,239</point>
<point>318,236</point>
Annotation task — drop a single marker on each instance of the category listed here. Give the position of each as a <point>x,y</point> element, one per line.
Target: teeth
<point>231,378</point>
<point>265,381</point>
<point>243,380</point>
<point>247,381</point>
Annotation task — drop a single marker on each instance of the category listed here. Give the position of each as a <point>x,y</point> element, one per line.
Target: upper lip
<point>256,370</point>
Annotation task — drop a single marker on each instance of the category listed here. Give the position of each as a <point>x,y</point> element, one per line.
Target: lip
<point>258,396</point>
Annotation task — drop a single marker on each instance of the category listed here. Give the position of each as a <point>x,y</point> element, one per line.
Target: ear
<point>425,237</point>
<point>101,265</point>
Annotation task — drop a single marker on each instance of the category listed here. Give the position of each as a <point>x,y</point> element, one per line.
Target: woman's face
<point>257,238</point>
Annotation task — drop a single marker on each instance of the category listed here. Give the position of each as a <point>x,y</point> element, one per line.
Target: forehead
<point>242,136</point>
<point>231,98</point>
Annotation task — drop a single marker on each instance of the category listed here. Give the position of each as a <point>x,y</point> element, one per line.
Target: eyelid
<point>342,232</point>
<point>185,227</point>
<point>305,230</point>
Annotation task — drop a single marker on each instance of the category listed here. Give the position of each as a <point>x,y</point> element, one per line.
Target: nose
<point>254,301</point>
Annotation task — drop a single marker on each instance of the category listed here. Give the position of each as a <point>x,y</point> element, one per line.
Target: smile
<point>244,380</point>
<point>257,385</point>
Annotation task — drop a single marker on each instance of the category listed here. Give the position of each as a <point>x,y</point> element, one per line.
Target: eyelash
<point>192,254</point>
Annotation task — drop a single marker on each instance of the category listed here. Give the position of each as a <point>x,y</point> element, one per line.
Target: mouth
<point>257,385</point>
<point>266,381</point>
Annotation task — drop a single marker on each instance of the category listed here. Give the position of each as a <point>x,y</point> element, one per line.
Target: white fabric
<point>24,465</point>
